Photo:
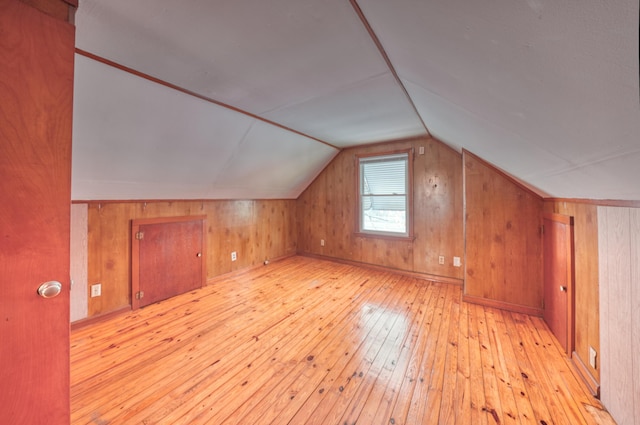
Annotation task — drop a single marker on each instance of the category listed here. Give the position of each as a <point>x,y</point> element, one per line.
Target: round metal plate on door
<point>50,289</point>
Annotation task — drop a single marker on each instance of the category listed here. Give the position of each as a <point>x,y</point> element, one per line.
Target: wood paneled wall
<point>79,287</point>
<point>586,320</point>
<point>255,229</point>
<point>327,210</point>
<point>503,240</point>
<point>619,272</point>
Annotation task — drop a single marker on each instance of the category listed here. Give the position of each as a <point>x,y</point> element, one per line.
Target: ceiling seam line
<point>340,89</point>
<point>383,53</point>
<point>167,84</point>
<point>233,153</point>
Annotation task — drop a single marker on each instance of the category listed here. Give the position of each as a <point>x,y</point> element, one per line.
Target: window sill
<point>390,236</point>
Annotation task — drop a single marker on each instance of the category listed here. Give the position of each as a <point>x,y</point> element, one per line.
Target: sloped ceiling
<point>546,90</point>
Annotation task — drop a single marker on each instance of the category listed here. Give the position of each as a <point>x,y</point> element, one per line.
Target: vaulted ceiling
<point>251,99</point>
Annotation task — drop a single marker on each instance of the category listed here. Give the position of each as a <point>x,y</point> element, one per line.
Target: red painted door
<point>558,280</point>
<point>36,87</point>
<point>170,259</point>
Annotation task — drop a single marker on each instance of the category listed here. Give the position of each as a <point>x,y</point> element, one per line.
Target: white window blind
<point>384,182</point>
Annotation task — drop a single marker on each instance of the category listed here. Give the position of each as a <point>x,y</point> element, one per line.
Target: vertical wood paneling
<point>587,304</point>
<point>604,360</point>
<point>503,239</point>
<point>618,238</point>
<point>340,207</point>
<point>634,232</point>
<point>437,204</point>
<point>311,215</point>
<point>327,210</point>
<point>231,228</point>
<point>79,218</point>
<point>275,232</point>
<point>387,253</point>
<point>619,384</point>
<point>109,255</point>
<point>256,230</point>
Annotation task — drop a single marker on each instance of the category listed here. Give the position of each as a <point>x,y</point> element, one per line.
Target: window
<point>385,194</point>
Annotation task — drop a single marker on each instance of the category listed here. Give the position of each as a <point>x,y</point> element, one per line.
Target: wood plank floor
<point>306,341</point>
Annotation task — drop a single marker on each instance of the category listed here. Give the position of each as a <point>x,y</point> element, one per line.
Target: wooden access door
<point>36,87</point>
<point>558,277</point>
<point>170,258</point>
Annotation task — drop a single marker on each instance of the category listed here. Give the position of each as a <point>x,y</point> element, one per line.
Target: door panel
<point>558,281</point>
<point>170,259</point>
<point>36,86</point>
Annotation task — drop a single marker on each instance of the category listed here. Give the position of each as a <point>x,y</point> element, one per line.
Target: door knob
<point>563,288</point>
<point>199,254</point>
<point>50,289</point>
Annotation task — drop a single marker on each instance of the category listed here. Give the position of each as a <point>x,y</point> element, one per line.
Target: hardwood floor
<point>306,341</point>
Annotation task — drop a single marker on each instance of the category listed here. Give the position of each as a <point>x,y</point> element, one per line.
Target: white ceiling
<point>546,90</point>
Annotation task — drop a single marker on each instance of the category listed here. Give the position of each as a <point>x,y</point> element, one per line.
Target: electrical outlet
<point>96,290</point>
<point>456,261</point>
<point>234,256</point>
<point>441,259</point>
<point>321,242</point>
<point>592,357</point>
<point>421,150</point>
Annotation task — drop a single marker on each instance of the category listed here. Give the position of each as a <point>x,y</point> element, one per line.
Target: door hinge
<point>542,229</point>
<point>139,295</point>
<point>140,236</point>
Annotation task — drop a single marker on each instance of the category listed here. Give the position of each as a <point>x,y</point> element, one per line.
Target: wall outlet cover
<point>592,357</point>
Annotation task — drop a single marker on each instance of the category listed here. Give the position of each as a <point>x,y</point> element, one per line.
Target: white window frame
<point>361,161</point>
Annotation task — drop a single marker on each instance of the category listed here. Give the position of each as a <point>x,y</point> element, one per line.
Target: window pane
<point>383,178</point>
<point>383,197</point>
<point>381,220</point>
<point>384,202</point>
